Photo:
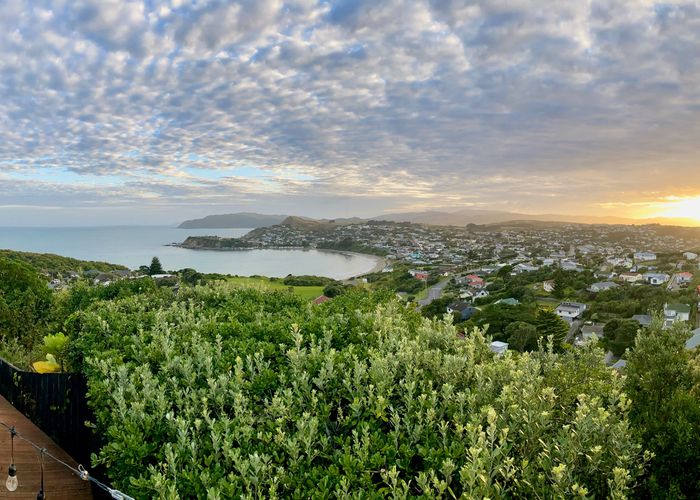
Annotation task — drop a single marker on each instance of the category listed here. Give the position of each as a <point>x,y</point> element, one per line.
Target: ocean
<point>134,246</point>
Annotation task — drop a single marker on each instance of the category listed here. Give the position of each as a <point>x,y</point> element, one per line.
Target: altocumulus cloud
<point>351,105</point>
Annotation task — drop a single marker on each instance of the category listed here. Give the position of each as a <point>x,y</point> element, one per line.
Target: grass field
<point>305,292</point>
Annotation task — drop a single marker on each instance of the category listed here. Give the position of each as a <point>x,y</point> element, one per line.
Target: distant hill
<point>476,216</point>
<point>309,223</point>
<point>230,221</point>
<point>432,217</point>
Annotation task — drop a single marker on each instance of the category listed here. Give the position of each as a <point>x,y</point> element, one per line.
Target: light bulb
<point>11,483</point>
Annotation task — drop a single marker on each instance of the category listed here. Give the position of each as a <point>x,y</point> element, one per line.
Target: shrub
<point>223,393</point>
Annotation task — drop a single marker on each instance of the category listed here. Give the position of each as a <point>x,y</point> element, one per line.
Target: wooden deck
<point>59,482</point>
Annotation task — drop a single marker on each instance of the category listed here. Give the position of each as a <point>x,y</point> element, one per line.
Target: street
<point>434,292</point>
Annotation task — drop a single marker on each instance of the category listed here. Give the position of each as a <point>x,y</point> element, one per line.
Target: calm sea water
<point>134,246</point>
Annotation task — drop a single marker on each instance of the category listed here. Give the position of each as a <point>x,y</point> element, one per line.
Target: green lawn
<point>305,292</point>
<point>547,302</point>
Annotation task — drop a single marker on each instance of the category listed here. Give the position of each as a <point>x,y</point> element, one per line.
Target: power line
<point>81,472</point>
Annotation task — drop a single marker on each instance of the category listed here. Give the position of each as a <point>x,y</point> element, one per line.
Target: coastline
<point>379,264</point>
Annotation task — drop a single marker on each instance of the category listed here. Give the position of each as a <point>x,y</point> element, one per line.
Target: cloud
<point>510,104</point>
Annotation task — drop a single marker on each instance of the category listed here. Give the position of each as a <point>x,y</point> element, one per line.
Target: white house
<point>656,278</point>
<point>568,265</point>
<point>690,255</point>
<point>675,312</point>
<point>602,286</point>
<point>631,277</point>
<point>570,311</point>
<point>644,256</point>
<point>525,268</point>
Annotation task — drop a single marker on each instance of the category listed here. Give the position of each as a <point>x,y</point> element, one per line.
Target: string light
<point>81,472</point>
<point>41,495</point>
<point>12,482</point>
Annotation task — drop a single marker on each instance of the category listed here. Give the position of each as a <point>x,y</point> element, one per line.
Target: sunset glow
<point>688,208</point>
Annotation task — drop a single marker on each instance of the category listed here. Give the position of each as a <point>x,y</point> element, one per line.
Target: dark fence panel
<point>54,402</point>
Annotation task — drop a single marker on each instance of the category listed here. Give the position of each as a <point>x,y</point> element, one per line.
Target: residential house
<point>693,341</point>
<point>464,309</point>
<point>475,281</point>
<point>644,320</point>
<point>690,255</point>
<point>620,261</point>
<point>604,275</point>
<point>656,278</point>
<point>418,274</point>
<point>321,299</point>
<point>524,268</point>
<point>592,332</point>
<point>675,312</point>
<point>631,277</point>
<point>602,286</point>
<point>570,311</point>
<point>568,265</point>
<point>510,301</point>
<point>684,278</point>
<point>644,256</point>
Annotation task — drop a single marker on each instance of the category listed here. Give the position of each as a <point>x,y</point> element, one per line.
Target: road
<point>573,329</point>
<point>434,292</point>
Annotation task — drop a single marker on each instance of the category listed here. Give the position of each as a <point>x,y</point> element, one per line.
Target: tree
<point>334,290</point>
<point>25,303</point>
<point>437,308</point>
<point>660,382</point>
<point>499,316</point>
<point>560,285</point>
<point>155,267</point>
<point>522,336</point>
<point>190,276</point>
<point>548,323</point>
<point>619,335</point>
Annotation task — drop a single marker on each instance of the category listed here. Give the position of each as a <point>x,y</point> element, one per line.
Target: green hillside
<point>49,262</point>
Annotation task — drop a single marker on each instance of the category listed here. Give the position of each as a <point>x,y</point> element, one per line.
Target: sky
<point>125,111</point>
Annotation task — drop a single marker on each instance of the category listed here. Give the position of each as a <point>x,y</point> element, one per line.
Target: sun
<point>688,208</point>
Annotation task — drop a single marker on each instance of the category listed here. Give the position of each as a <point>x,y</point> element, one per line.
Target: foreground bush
<point>224,393</point>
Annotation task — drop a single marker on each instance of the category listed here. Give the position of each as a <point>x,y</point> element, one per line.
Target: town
<point>604,281</point>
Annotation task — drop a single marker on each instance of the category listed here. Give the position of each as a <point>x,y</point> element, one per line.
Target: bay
<point>133,246</point>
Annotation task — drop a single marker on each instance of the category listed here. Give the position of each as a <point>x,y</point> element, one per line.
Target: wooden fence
<point>55,402</point>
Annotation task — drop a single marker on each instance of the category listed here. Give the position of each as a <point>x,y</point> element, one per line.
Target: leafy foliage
<point>619,335</point>
<point>57,263</point>
<point>662,380</point>
<point>308,280</point>
<point>25,303</point>
<point>222,393</point>
<point>56,345</point>
<point>522,336</point>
